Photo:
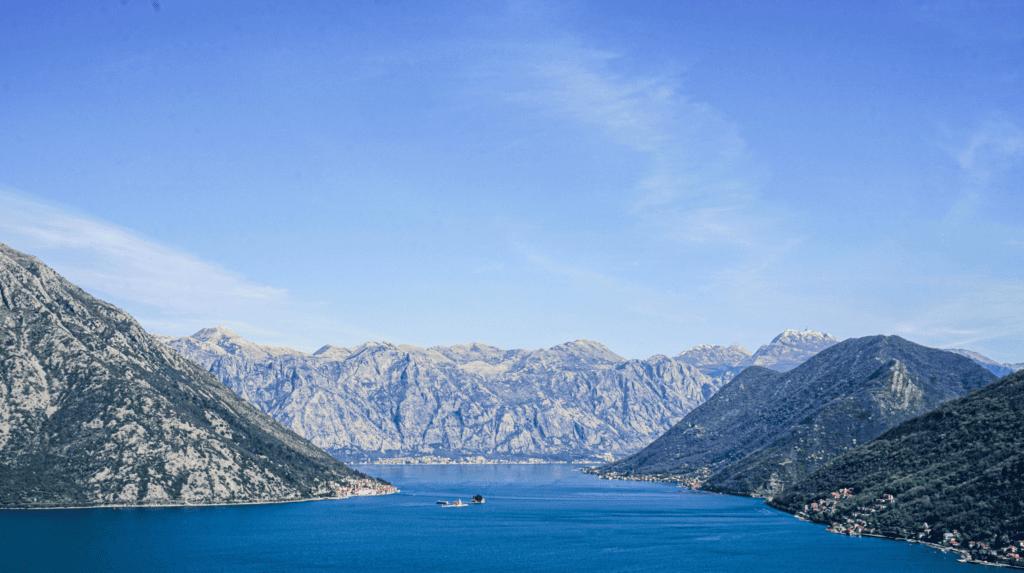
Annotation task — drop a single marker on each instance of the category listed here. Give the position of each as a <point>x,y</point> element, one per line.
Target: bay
<point>537,518</point>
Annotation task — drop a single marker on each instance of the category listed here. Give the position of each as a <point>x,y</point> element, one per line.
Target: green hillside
<point>958,468</point>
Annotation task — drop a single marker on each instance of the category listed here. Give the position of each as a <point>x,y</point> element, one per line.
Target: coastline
<point>965,557</point>
<point>158,506</point>
<point>174,505</point>
<point>480,461</point>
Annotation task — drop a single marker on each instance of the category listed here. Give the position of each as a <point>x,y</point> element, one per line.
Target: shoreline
<point>387,462</point>
<point>964,555</point>
<point>177,505</point>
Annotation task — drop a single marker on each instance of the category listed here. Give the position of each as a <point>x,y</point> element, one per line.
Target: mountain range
<point>95,411</point>
<point>577,399</point>
<point>992,366</point>
<point>765,430</point>
<point>785,352</point>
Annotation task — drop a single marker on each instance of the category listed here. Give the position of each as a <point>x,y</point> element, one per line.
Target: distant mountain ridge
<point>95,411</point>
<point>790,349</point>
<point>765,430</point>
<point>992,366</point>
<point>577,399</point>
<point>785,352</point>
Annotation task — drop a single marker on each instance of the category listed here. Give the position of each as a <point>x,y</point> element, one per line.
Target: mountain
<point>785,352</point>
<point>989,364</point>
<point>959,468</point>
<point>573,400</point>
<point>765,430</point>
<point>717,362</point>
<point>94,411</point>
<point>791,349</point>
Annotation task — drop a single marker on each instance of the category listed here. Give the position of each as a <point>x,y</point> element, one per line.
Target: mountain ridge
<point>95,411</point>
<point>576,399</point>
<point>787,350</point>
<point>999,369</point>
<point>571,400</point>
<point>766,429</point>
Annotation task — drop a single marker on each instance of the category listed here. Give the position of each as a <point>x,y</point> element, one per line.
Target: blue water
<point>536,519</point>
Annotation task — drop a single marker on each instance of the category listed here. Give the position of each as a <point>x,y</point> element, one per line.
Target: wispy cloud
<point>106,257</point>
<point>168,291</point>
<point>978,305</point>
<point>697,202</point>
<point>977,315</point>
<point>701,186</point>
<point>989,147</point>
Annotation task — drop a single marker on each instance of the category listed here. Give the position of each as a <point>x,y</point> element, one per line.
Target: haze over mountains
<point>765,430</point>
<point>574,400</point>
<point>992,366</point>
<point>93,411</point>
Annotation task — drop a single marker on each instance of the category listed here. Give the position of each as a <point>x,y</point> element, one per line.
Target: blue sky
<point>652,175</point>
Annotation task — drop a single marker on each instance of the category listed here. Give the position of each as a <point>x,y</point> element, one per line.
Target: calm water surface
<point>536,519</point>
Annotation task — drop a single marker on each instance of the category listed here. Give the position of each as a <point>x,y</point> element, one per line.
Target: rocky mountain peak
<point>333,352</point>
<point>473,352</point>
<point>223,340</point>
<point>373,347</point>
<point>710,354</point>
<point>791,348</point>
<point>588,349</point>
<point>804,338</point>
<point>94,410</point>
<point>215,334</point>
<point>579,353</point>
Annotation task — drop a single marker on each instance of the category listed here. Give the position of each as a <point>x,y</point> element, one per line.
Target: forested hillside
<point>957,468</point>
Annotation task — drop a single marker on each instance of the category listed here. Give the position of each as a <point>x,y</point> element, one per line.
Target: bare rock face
<point>93,411</point>
<point>766,430</point>
<point>575,399</point>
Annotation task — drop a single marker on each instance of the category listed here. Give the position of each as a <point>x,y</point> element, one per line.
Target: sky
<point>649,175</point>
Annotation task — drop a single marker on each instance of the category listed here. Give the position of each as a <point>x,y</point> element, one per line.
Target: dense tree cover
<point>960,466</point>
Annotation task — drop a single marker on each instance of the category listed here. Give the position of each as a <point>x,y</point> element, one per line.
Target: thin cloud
<point>168,291</point>
<point>993,148</point>
<point>993,142</point>
<point>701,184</point>
<point>112,259</point>
<point>986,313</point>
